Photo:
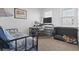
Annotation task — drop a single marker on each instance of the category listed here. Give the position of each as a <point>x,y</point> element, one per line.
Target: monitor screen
<point>47,20</point>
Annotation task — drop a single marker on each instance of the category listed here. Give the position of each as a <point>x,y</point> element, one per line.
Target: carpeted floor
<point>50,44</point>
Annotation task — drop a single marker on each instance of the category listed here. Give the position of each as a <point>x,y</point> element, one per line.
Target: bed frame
<point>15,40</point>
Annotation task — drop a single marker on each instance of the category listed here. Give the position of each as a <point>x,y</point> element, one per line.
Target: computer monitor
<point>47,20</point>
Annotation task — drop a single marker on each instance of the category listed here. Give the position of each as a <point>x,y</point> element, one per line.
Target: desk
<point>37,30</point>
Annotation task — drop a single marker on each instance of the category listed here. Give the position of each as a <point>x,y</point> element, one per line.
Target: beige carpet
<point>50,44</point>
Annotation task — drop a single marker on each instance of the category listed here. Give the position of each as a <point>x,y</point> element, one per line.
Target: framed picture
<point>20,14</point>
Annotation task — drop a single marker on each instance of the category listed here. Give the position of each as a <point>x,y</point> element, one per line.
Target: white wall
<point>22,24</point>
<point>57,13</point>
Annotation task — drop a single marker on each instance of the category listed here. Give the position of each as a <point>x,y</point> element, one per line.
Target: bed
<point>12,40</point>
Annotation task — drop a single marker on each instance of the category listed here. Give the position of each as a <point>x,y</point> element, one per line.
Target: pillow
<point>8,35</point>
<point>5,36</point>
<point>2,35</point>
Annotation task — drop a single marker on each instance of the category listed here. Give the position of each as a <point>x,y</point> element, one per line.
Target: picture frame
<point>20,13</point>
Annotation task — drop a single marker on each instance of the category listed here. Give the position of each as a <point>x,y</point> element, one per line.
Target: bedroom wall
<point>23,25</point>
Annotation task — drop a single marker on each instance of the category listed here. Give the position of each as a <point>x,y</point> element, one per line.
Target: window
<point>68,12</point>
<point>68,16</point>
